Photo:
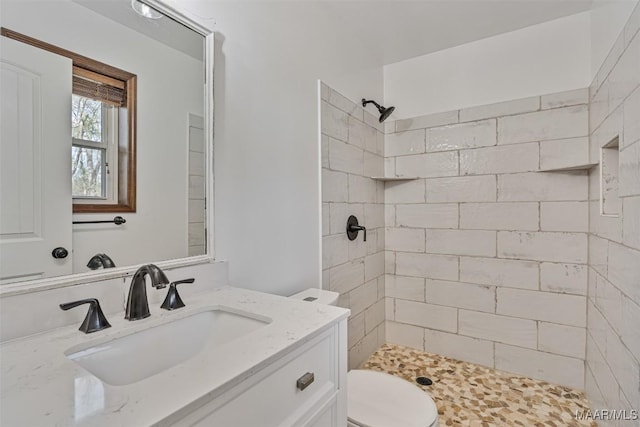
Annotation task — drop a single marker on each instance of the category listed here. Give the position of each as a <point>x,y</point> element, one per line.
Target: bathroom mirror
<point>44,240</point>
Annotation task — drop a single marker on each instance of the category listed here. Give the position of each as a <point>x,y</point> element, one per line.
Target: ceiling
<point>405,29</point>
<point>164,30</point>
<point>394,30</point>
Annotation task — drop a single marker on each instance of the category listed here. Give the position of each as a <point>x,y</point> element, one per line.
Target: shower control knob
<point>59,253</point>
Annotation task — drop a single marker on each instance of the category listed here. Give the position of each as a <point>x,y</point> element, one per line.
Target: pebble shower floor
<point>471,395</point>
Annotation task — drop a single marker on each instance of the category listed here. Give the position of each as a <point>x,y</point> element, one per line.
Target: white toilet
<point>376,399</point>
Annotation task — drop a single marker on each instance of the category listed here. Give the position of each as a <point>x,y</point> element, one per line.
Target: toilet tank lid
<point>320,296</point>
<point>376,399</point>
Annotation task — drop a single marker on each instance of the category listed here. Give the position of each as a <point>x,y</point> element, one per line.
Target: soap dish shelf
<point>394,178</point>
<point>583,167</point>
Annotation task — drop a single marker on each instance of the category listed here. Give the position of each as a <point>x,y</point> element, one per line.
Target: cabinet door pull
<point>305,381</point>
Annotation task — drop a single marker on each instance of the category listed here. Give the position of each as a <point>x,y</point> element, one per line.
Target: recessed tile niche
<point>609,169</point>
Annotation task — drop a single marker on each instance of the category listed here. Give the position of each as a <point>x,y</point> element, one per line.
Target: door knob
<point>59,253</point>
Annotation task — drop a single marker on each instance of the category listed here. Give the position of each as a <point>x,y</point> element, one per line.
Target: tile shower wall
<point>352,153</point>
<point>613,305</point>
<point>485,254</point>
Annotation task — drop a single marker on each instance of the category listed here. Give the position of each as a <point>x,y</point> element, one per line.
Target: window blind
<point>99,87</point>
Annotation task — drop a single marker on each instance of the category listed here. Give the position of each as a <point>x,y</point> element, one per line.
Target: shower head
<point>384,112</point>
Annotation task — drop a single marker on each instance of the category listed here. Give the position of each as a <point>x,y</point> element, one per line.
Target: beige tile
<point>374,266</point>
<point>409,288</point>
<point>609,301</point>
<point>363,296</point>
<point>623,270</point>
<point>428,121</point>
<point>501,159</point>
<point>464,135</point>
<point>631,222</point>
<point>324,143</point>
<point>408,335</point>
<point>461,295</point>
<point>334,122</point>
<point>431,165</point>
<point>565,99</point>
<point>345,157</point>
<point>461,189</point>
<point>564,153</point>
<point>339,213</point>
<point>390,262</point>
<point>334,251</point>
<point>362,190</point>
<point>603,376</point>
<point>561,339</point>
<point>563,278</point>
<point>540,365</point>
<point>632,26</point>
<point>460,347</point>
<point>361,135</point>
<point>564,216</point>
<point>517,106</point>
<point>558,123</point>
<point>405,239</point>
<point>334,186</point>
<point>606,226</point>
<point>389,308</point>
<point>551,307</point>
<point>439,215</point>
<point>355,329</point>
<point>624,366</point>
<point>374,316</point>
<point>499,216</point>
<point>324,91</point>
<point>461,242</point>
<point>624,77</point>
<point>341,102</point>
<point>499,272</point>
<point>373,165</point>
<point>427,265</point>
<point>427,315</point>
<point>374,215</point>
<point>631,122</point>
<point>533,187</point>
<point>403,143</point>
<point>405,192</point>
<point>498,328</point>
<point>630,320</point>
<point>630,171</point>
<point>373,121</point>
<point>346,277</point>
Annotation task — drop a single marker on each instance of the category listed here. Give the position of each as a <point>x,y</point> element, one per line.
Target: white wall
<point>158,230</point>
<point>267,156</point>
<point>607,20</point>
<point>550,57</point>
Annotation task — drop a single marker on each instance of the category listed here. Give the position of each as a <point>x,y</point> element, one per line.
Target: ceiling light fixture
<point>145,11</point>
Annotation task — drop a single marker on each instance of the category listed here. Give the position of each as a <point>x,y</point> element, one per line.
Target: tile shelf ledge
<point>394,178</point>
<point>583,167</point>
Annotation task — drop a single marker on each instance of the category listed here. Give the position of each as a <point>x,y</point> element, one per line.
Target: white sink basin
<point>145,353</point>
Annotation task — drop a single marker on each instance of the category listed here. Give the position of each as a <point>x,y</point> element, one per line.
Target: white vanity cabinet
<point>276,396</point>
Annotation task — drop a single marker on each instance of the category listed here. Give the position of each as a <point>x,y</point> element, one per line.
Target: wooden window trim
<point>127,149</point>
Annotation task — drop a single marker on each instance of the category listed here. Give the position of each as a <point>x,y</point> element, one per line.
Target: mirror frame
<point>38,285</point>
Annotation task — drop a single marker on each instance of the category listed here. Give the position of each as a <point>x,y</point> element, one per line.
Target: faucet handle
<point>95,319</point>
<point>173,300</point>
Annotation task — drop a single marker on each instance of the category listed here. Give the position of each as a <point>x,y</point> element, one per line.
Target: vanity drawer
<point>281,396</point>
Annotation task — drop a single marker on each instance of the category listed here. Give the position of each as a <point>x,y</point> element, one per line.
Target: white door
<point>35,162</point>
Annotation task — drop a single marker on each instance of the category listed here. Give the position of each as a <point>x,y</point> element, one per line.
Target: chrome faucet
<point>137,303</point>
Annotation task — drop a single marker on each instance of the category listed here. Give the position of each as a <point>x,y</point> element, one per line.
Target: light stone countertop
<point>40,386</point>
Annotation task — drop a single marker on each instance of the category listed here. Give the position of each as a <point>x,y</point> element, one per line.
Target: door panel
<point>35,162</point>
